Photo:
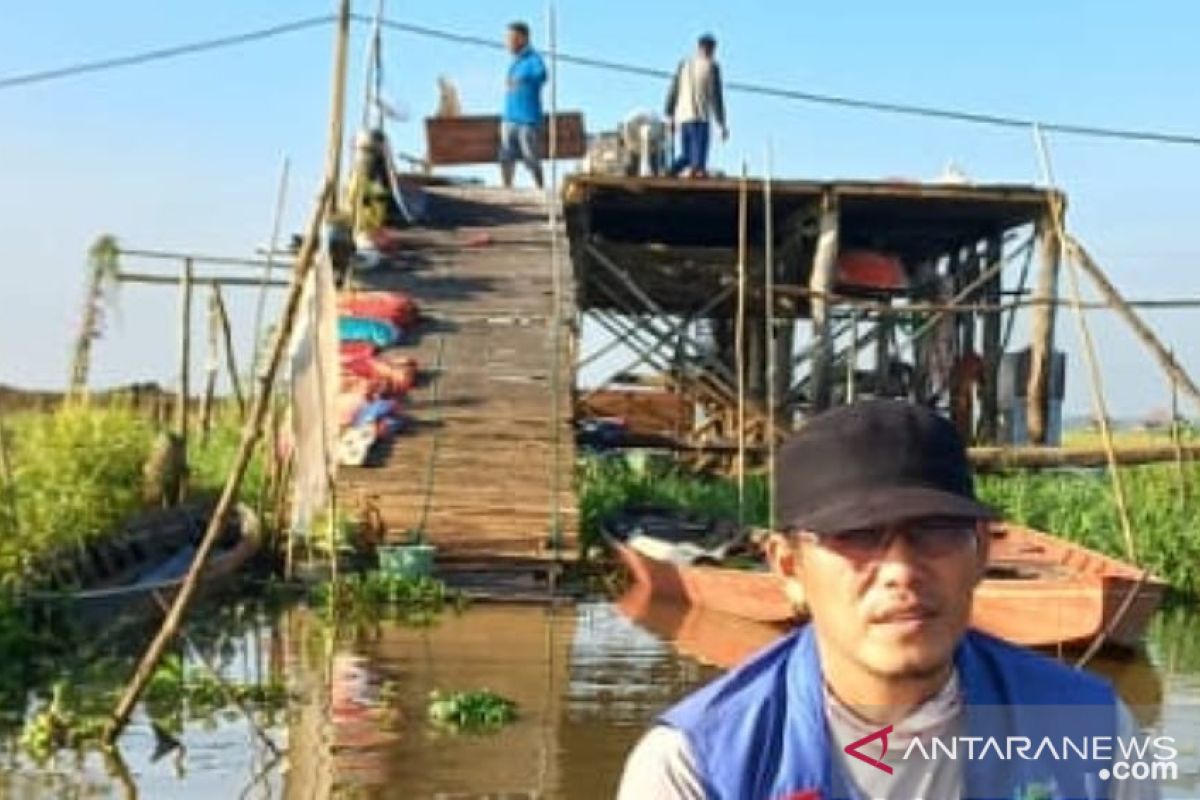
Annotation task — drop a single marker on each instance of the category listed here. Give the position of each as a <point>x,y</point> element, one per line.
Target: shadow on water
<point>587,680</point>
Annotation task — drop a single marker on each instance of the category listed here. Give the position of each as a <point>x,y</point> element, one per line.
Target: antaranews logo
<point>1129,757</point>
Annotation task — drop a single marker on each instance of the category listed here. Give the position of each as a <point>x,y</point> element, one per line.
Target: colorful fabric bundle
<point>378,332</point>
<point>394,307</point>
<point>352,351</point>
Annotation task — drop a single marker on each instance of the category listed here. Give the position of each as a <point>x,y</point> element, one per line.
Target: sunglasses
<point>927,538</point>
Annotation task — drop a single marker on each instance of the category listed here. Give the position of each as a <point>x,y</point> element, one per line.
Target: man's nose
<point>899,563</point>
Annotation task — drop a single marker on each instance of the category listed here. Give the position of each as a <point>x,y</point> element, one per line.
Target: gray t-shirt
<point>663,767</point>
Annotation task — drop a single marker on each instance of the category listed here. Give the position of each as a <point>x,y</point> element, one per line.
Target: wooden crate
<point>476,139</point>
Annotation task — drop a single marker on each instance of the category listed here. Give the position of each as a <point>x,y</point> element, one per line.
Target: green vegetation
<point>1077,506</point>
<point>77,474</point>
<point>607,485</point>
<point>59,694</point>
<point>471,711</point>
<point>365,596</point>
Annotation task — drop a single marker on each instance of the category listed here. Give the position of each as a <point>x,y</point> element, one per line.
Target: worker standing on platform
<point>694,101</point>
<point>521,126</point>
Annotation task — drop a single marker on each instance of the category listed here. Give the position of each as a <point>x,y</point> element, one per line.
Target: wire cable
<point>861,104</point>
<point>160,54</point>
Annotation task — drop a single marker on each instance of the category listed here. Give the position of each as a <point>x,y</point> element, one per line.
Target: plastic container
<point>406,560</point>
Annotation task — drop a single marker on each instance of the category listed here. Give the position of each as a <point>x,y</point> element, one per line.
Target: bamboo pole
<point>260,306</point>
<point>556,359</point>
<point>821,283</point>
<point>211,360</point>
<point>993,459</point>
<point>769,316</point>
<point>1041,346</point>
<point>1177,443</point>
<point>235,380</point>
<point>989,405</point>
<point>252,430</point>
<point>185,355</point>
<point>740,348</point>
<point>1166,360</point>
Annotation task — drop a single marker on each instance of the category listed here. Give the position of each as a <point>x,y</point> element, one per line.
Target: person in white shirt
<point>694,101</point>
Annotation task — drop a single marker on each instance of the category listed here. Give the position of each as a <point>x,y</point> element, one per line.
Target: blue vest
<point>759,732</point>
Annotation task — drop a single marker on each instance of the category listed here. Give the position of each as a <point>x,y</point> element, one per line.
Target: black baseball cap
<point>873,463</point>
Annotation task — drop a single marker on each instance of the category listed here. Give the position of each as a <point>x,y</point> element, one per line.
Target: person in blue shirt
<point>883,541</point>
<point>521,126</point>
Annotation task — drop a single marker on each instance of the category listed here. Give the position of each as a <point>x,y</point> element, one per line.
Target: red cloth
<point>394,307</point>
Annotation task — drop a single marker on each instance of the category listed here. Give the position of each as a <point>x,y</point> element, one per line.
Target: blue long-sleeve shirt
<point>523,101</point>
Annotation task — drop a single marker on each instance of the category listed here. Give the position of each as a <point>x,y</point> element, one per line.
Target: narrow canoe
<point>1039,591</point>
<point>141,570</point>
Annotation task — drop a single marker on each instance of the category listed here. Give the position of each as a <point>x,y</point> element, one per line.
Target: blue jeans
<point>520,142</point>
<point>693,147</point>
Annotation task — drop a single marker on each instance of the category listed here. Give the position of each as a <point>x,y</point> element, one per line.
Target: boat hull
<point>1041,592</point>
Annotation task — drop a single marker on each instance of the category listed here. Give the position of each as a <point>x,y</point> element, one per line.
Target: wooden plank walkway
<point>477,470</point>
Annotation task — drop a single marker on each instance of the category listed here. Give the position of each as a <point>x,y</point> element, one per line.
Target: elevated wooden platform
<point>477,472</point>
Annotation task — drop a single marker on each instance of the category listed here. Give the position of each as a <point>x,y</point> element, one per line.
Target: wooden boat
<point>1039,590</point>
<point>140,569</point>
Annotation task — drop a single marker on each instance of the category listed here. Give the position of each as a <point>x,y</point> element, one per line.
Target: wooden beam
<point>1161,354</point>
<point>989,399</point>
<point>1041,347</point>
<point>197,280</point>
<point>185,355</point>
<point>821,282</point>
<point>986,459</point>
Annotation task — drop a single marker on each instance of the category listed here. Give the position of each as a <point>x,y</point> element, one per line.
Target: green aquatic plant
<point>415,601</point>
<point>606,485</point>
<point>471,711</point>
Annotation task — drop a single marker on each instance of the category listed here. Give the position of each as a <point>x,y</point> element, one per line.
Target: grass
<point>608,484</point>
<point>77,475</point>
<point>1077,506</point>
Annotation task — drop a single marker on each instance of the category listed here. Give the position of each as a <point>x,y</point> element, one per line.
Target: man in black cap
<point>884,540</point>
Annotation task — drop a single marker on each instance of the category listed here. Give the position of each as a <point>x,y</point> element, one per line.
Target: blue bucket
<point>406,560</point>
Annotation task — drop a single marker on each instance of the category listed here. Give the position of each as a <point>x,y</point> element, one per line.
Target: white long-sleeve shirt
<point>695,94</point>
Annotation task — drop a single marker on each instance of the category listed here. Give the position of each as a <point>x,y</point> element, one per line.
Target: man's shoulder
<point>739,692</point>
<point>1043,679</point>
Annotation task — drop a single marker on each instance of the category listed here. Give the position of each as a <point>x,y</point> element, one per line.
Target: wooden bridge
<point>488,468</point>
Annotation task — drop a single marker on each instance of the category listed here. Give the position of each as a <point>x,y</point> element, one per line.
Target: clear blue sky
<point>186,153</point>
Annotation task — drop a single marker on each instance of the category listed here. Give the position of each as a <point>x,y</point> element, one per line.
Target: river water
<point>587,680</point>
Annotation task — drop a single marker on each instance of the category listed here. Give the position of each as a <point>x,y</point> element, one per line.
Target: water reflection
<point>587,680</point>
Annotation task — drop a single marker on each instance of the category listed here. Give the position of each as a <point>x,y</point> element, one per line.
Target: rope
<point>431,465</point>
<point>1099,407</point>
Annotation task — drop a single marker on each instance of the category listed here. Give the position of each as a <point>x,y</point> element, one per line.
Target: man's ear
<point>783,556</point>
<point>983,548</point>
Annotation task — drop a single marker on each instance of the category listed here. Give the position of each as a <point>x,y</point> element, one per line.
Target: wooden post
<point>235,380</point>
<point>185,355</point>
<point>252,430</point>
<point>211,359</point>
<point>821,283</point>
<point>740,347</point>
<point>989,400</point>
<point>1177,442</point>
<point>1041,347</point>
